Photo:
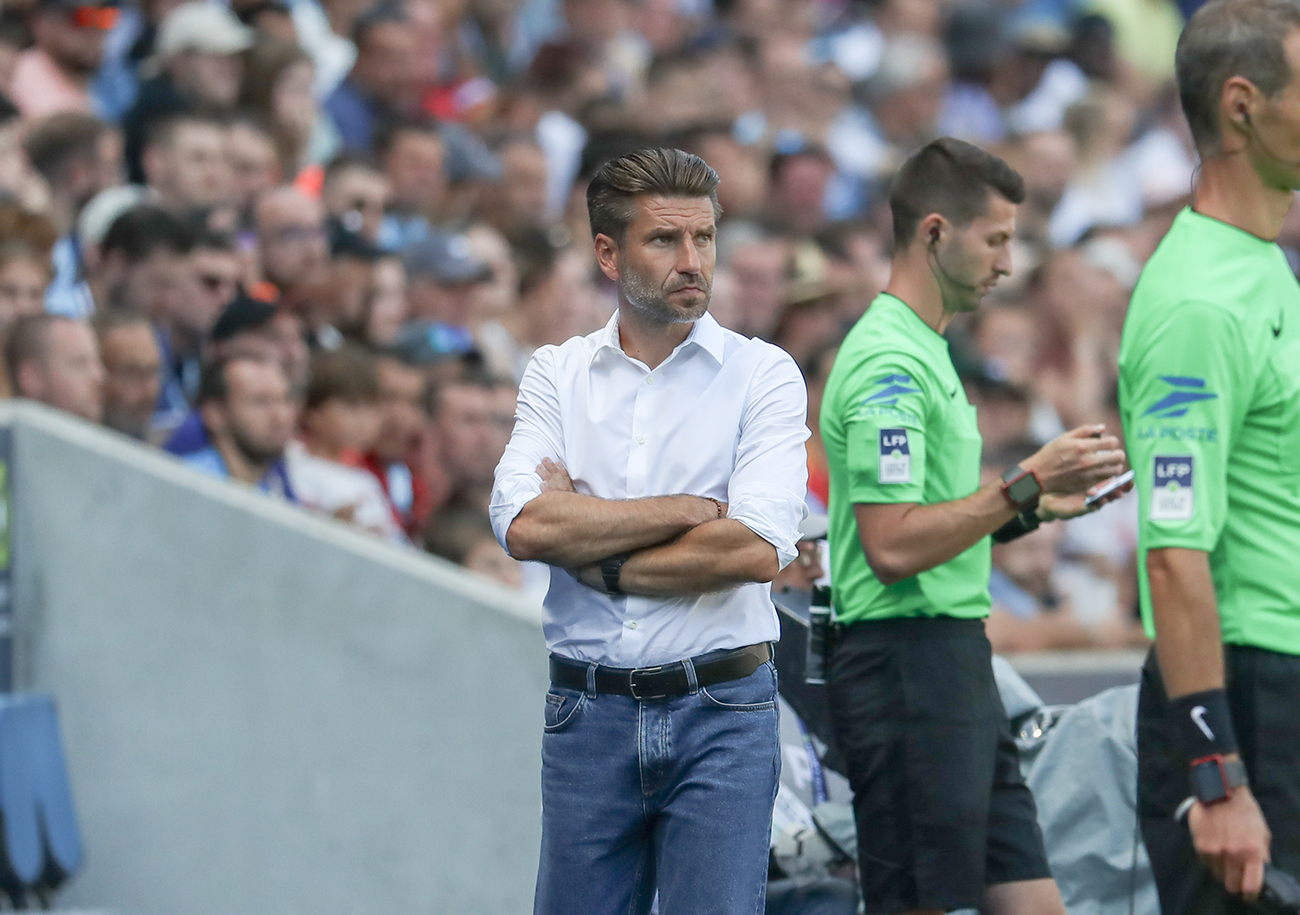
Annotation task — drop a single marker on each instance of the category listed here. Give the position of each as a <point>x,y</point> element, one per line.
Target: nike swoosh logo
<point>1277,331</point>
<point>1198,715</point>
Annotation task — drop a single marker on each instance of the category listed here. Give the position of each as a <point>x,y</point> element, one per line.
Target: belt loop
<point>692,682</point>
<point>591,680</point>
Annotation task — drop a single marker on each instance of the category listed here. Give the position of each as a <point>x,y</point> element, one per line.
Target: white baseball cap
<point>201,25</point>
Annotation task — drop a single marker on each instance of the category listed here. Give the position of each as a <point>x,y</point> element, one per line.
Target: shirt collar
<point>706,333</point>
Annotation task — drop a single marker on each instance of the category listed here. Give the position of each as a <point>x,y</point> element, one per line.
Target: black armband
<point>1204,724</point>
<point>1023,523</point>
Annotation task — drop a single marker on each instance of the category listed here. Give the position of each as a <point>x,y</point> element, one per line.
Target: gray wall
<point>265,711</point>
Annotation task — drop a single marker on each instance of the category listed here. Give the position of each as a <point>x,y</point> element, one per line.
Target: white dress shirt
<point>723,416</point>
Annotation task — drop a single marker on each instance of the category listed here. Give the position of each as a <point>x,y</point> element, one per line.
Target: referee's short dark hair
<point>1227,38</point>
<point>952,178</point>
<point>659,172</point>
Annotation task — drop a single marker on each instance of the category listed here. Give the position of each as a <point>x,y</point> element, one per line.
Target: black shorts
<point>941,808</point>
<point>1263,691</point>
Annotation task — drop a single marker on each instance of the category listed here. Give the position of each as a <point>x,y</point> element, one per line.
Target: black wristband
<point>1204,724</point>
<point>1024,523</point>
<point>610,570</point>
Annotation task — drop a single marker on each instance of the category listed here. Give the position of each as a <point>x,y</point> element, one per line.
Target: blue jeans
<point>670,794</point>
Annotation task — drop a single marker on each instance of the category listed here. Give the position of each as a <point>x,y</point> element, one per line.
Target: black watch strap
<point>1215,777</point>
<point>610,570</point>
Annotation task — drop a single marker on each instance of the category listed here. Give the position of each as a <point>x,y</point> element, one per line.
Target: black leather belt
<point>666,679</point>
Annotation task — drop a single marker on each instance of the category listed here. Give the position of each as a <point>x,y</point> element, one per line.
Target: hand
<point>589,575</point>
<point>1077,460</point>
<point>1232,840</point>
<point>1056,506</point>
<point>554,477</point>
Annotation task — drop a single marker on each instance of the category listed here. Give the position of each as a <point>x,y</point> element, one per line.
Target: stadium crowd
<point>312,245</point>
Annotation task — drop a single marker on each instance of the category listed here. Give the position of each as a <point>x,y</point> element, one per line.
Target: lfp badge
<point>1172,489</point>
<point>895,457</point>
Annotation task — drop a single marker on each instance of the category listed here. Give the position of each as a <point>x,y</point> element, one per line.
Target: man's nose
<point>688,259</point>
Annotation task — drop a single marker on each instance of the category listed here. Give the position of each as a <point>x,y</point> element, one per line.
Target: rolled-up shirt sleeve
<point>766,491</point>
<point>536,435</point>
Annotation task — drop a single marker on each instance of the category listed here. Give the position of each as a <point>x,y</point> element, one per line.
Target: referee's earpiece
<point>934,239</point>
<point>1245,118</point>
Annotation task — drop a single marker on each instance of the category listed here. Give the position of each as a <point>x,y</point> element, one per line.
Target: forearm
<point>1188,643</point>
<point>716,556</point>
<point>569,529</point>
<point>902,541</point>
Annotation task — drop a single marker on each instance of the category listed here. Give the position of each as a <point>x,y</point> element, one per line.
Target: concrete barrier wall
<point>265,711</point>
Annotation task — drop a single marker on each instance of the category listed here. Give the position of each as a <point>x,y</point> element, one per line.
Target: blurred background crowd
<point>311,244</point>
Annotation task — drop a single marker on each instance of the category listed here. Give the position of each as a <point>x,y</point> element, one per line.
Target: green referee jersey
<point>1210,394</point>
<point>898,428</point>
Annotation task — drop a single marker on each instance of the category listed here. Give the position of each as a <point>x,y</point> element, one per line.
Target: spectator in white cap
<point>196,63</point>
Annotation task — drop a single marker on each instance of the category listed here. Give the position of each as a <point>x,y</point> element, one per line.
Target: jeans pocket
<point>563,707</point>
<point>755,693</point>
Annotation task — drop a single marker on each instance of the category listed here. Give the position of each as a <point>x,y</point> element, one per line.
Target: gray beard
<point>650,303</point>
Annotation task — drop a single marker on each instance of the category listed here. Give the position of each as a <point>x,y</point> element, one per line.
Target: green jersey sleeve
<point>884,409</point>
<point>1186,394</point>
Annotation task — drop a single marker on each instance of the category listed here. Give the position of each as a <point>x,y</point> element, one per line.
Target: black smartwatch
<point>1021,488</point>
<point>610,570</point>
<point>1215,777</point>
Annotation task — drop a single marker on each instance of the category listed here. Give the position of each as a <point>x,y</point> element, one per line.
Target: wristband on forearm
<point>1023,523</point>
<point>1204,724</point>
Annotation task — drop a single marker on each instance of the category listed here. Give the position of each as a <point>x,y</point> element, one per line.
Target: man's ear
<point>1237,100</point>
<point>607,255</point>
<point>932,229</point>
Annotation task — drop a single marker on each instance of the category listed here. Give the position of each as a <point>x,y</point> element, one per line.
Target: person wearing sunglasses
<point>68,46</point>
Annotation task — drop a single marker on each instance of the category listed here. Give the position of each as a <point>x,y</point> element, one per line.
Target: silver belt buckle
<point>631,681</point>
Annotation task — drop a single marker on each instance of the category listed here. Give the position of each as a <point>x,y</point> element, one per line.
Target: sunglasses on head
<point>93,17</point>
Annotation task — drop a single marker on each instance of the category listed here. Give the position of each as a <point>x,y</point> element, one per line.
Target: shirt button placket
<point>638,461</point>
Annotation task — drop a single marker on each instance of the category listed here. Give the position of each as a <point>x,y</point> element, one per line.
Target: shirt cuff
<point>507,502</point>
<point>772,513</point>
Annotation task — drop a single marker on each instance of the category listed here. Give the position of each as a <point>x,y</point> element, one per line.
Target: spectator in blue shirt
<point>382,83</point>
<point>249,418</point>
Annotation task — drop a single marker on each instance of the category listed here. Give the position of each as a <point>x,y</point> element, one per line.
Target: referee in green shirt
<point>1210,399</point>
<point>944,819</point>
